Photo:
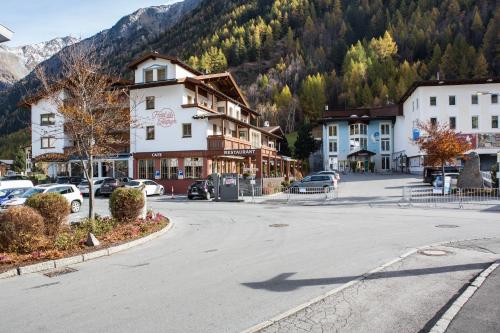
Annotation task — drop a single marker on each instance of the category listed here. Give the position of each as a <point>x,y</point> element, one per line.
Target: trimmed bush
<point>54,209</point>
<point>21,230</point>
<point>126,204</point>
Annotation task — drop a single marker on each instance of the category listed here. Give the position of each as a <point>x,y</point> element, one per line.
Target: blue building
<point>359,138</point>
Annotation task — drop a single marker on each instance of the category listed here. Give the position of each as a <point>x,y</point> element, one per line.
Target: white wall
<point>173,71</point>
<point>462,111</point>
<point>38,131</point>
<point>168,100</point>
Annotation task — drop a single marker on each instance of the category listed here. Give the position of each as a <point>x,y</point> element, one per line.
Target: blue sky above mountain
<point>37,21</point>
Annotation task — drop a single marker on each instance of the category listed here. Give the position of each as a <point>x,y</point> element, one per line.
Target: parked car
<point>11,193</point>
<point>201,189</point>
<point>8,184</point>
<point>126,180</point>
<point>332,172</point>
<point>69,180</point>
<point>84,186</point>
<point>69,191</point>
<point>152,187</point>
<point>109,185</point>
<point>453,179</point>
<point>314,182</point>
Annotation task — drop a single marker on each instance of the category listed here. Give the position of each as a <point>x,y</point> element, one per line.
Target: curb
<point>445,320</point>
<point>58,263</point>
<point>267,323</point>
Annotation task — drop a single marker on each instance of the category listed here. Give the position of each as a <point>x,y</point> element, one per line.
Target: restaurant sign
<point>239,152</point>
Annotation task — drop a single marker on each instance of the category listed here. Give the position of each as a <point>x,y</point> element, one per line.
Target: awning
<point>362,152</point>
<point>229,157</point>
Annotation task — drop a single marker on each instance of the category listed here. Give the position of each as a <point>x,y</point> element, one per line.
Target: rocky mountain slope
<point>17,62</point>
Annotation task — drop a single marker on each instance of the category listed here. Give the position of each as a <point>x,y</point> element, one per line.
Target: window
<point>169,168</point>
<point>494,121</point>
<point>357,129</point>
<point>386,162</point>
<point>193,167</point>
<point>161,73</point>
<point>145,169</point>
<point>494,99</point>
<point>214,129</point>
<point>474,99</point>
<point>189,99</point>
<point>150,132</point>
<point>475,122</point>
<point>433,121</point>
<point>432,101</point>
<point>358,144</point>
<point>332,146</point>
<point>332,130</point>
<point>385,144</point>
<point>221,109</point>
<point>385,129</point>
<point>48,142</point>
<point>47,119</point>
<point>148,75</point>
<point>186,130</point>
<point>452,100</point>
<point>417,103</point>
<point>358,139</point>
<point>453,123</point>
<point>150,102</point>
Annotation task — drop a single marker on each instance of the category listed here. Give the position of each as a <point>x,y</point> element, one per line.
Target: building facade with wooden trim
<point>188,125</point>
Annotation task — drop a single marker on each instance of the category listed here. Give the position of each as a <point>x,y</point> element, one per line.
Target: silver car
<point>314,183</point>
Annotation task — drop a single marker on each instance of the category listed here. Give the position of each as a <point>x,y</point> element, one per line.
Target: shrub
<point>126,204</point>
<point>21,230</point>
<point>54,209</point>
<point>99,226</point>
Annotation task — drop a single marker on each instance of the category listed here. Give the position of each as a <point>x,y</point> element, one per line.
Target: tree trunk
<point>90,178</point>
<point>442,171</point>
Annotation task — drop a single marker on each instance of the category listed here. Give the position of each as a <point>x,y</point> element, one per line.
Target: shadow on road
<point>282,283</point>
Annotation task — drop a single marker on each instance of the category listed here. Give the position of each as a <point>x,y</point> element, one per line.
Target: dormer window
<point>162,74</point>
<point>148,75</point>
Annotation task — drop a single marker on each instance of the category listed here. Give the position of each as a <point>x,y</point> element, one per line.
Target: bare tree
<point>93,107</point>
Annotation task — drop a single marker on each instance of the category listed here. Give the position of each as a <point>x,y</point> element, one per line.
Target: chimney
<point>266,123</point>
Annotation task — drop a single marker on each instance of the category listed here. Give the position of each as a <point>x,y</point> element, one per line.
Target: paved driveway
<point>199,276</point>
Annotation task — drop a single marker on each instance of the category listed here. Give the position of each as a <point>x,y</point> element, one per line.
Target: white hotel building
<point>471,107</point>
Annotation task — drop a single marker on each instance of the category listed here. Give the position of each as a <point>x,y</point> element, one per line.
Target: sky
<point>36,21</point>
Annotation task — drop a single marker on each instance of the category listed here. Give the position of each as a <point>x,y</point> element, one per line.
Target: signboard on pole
<point>180,174</point>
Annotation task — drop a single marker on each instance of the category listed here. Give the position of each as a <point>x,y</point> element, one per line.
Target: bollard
<point>172,196</point>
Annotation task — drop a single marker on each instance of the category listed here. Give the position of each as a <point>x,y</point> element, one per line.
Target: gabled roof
<point>380,112</point>
<point>154,55</point>
<point>274,130</point>
<point>457,82</point>
<point>226,83</point>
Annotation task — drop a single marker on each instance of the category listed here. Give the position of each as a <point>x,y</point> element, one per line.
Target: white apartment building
<point>471,107</point>
<point>49,144</point>
<point>186,125</point>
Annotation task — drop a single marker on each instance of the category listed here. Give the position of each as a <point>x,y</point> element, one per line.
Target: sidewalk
<point>410,295</point>
<point>481,313</point>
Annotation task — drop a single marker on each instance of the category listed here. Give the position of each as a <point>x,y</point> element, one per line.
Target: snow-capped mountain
<point>17,62</point>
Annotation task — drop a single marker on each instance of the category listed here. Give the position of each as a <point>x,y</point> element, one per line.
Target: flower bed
<point>70,240</point>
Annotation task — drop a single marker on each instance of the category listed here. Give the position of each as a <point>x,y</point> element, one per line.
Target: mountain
<point>17,62</point>
<point>352,52</point>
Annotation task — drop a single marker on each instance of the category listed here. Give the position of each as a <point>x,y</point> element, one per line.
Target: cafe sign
<point>239,152</point>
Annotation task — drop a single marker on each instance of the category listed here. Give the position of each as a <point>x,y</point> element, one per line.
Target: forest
<point>293,57</point>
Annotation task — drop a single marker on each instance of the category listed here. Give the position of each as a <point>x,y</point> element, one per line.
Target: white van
<point>8,184</point>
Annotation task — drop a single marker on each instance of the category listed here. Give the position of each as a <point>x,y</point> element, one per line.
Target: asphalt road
<point>216,269</point>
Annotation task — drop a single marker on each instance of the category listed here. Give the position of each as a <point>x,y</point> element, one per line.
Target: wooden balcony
<point>221,142</point>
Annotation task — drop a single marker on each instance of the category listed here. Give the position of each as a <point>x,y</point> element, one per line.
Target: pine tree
<point>448,66</point>
<point>477,27</point>
<point>19,164</point>
<point>313,96</point>
<point>481,66</point>
<point>435,62</point>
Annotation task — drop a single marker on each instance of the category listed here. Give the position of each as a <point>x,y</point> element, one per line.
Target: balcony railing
<point>221,142</point>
